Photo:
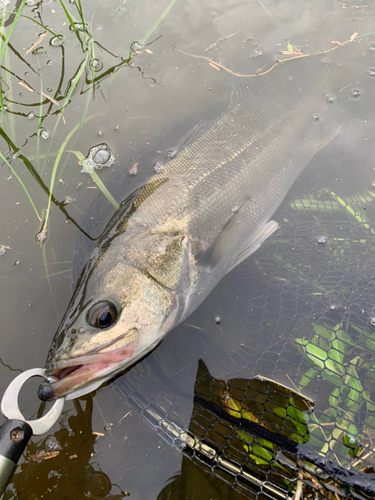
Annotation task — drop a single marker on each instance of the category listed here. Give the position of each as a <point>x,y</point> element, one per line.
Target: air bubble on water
<point>37,51</point>
<point>322,240</point>
<point>331,99</point>
<point>69,199</point>
<point>100,133</point>
<point>78,27</point>
<point>96,64</point>
<point>258,52</point>
<point>16,263</point>
<point>57,41</point>
<point>102,156</point>
<point>43,134</point>
<point>135,46</point>
<point>131,63</point>
<point>218,320</point>
<point>355,93</point>
<point>108,427</point>
<point>99,156</point>
<point>372,48</point>
<point>52,444</point>
<point>31,115</point>
<point>316,117</point>
<point>172,153</point>
<point>81,330</point>
<point>158,167</point>
<point>235,209</point>
<point>332,307</point>
<point>2,250</point>
<point>41,236</point>
<point>372,321</point>
<point>371,72</point>
<point>31,3</point>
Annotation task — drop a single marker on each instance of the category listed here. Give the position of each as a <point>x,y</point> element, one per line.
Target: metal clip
<point>10,408</point>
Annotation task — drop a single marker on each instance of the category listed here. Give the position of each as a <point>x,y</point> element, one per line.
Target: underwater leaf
<point>309,375</point>
<point>316,351</point>
<point>340,346</point>
<point>323,332</point>
<point>345,337</point>
<point>302,341</point>
<point>315,361</point>
<point>332,377</point>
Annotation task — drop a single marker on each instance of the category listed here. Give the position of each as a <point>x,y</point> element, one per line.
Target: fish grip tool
<point>17,431</point>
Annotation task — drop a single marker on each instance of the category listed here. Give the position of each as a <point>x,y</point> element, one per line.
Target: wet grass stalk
<point>34,21</point>
<point>72,23</point>
<point>40,117</point>
<point>96,179</point>
<point>20,181</point>
<point>58,157</point>
<point>5,45</point>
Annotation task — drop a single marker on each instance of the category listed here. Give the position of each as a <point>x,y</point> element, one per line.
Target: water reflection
<point>65,462</point>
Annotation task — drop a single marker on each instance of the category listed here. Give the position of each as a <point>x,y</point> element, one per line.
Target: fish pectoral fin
<point>326,137</point>
<point>255,242</point>
<point>221,245</point>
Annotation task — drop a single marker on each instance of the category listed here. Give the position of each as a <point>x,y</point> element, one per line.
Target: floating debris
<point>134,169</point>
<point>322,240</point>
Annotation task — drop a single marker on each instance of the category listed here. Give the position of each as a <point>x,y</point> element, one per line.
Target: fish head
<point>117,314</point>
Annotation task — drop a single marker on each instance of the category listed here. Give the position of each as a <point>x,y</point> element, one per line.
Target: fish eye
<point>102,314</point>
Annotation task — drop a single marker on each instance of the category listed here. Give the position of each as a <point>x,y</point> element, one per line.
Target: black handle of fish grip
<point>14,436</point>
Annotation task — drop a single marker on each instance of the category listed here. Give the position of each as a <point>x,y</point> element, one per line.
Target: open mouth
<point>76,372</point>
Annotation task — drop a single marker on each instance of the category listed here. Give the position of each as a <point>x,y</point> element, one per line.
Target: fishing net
<point>270,384</point>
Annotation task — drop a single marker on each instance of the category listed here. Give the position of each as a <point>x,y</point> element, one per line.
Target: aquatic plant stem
<point>54,170</point>
<point>144,39</point>
<point>5,45</point>
<point>20,181</point>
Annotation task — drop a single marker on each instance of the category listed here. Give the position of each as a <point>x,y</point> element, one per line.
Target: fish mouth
<point>87,370</point>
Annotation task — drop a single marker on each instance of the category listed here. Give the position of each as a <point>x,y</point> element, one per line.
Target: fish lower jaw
<point>81,375</point>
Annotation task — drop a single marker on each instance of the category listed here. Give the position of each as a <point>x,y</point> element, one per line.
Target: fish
<point>204,211</point>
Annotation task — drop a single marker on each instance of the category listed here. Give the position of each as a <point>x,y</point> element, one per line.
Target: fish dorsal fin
<point>227,237</point>
<point>242,89</point>
<point>255,242</point>
<point>190,136</point>
<point>327,136</point>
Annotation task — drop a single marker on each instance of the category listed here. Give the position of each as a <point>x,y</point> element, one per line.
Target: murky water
<point>248,324</point>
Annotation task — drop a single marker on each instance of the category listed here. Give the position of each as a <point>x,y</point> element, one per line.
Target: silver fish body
<point>207,210</point>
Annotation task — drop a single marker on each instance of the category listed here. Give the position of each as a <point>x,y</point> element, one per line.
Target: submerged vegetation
<point>85,75</point>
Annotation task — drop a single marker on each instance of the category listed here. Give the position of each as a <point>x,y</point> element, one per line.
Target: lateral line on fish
<point>221,164</point>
